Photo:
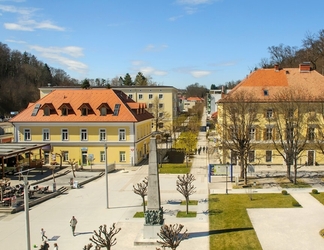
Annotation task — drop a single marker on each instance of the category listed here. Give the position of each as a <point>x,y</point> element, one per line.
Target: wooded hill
<point>21,74</point>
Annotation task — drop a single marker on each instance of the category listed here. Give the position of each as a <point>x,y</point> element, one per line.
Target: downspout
<point>135,150</point>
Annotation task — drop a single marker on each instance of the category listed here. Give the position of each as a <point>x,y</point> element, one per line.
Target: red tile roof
<point>75,98</point>
<point>264,84</point>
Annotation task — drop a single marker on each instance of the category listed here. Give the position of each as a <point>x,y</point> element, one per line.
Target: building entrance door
<point>84,158</point>
<point>310,158</point>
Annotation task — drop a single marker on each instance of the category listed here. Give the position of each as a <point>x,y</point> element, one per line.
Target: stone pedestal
<point>151,231</point>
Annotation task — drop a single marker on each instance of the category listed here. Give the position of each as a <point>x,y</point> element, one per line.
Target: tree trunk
<point>295,174</point>
<point>187,205</point>
<point>245,172</point>
<point>288,171</point>
<point>143,204</point>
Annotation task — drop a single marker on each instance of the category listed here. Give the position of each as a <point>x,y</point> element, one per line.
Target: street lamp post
<point>106,173</point>
<point>26,205</point>
<point>226,178</point>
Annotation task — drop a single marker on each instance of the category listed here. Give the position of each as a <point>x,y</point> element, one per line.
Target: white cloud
<point>31,25</point>
<point>174,18</point>
<point>155,48</point>
<point>152,71</point>
<point>69,50</point>
<point>137,63</point>
<point>14,9</point>
<point>200,73</point>
<point>194,2</point>
<point>55,54</point>
<point>14,41</point>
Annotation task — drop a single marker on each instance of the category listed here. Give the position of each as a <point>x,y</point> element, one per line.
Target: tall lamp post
<point>226,178</point>
<point>106,173</point>
<point>26,205</point>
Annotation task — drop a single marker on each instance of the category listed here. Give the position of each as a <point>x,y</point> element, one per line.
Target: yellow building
<point>82,123</point>
<point>274,112</point>
<point>168,100</point>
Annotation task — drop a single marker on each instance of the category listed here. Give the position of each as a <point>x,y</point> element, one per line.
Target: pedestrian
<point>45,246</point>
<point>55,246</point>
<point>204,149</point>
<point>73,223</point>
<point>43,234</point>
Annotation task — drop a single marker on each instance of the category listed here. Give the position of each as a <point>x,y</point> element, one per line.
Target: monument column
<point>154,213</point>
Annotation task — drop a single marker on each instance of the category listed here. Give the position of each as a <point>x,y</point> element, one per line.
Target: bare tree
<point>141,190</point>
<point>292,114</point>
<point>171,236</point>
<point>160,115</point>
<point>238,127</point>
<point>185,187</point>
<point>104,238</point>
<point>72,163</point>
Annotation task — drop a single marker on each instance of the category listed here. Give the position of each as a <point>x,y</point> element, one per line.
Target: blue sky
<point>176,42</point>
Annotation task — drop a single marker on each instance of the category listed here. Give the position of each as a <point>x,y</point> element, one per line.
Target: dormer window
<point>265,92</point>
<point>103,111</point>
<point>84,111</point>
<point>64,111</point>
<point>46,111</point>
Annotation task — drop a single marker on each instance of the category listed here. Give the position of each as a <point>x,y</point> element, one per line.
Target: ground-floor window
<point>102,156</point>
<point>251,156</point>
<point>122,156</point>
<point>268,156</point>
<point>65,155</point>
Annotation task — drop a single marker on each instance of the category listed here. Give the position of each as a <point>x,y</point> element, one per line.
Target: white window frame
<point>122,134</point>
<point>122,156</point>
<point>65,156</point>
<point>150,96</point>
<point>65,134</point>
<point>269,134</point>
<point>46,134</point>
<point>83,134</point>
<point>161,105</point>
<point>252,133</point>
<point>160,96</point>
<point>140,96</point>
<point>102,156</point>
<point>27,134</point>
<point>130,96</point>
<point>311,134</point>
<point>102,134</point>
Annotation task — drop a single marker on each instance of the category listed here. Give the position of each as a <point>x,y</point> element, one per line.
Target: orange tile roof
<point>194,99</point>
<point>75,98</point>
<point>275,82</point>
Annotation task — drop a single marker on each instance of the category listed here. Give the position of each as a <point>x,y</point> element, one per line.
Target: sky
<point>174,42</point>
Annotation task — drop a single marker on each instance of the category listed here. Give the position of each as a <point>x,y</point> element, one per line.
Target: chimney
<point>276,67</point>
<point>305,67</point>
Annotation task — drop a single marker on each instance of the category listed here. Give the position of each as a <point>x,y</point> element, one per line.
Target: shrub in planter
<point>315,191</point>
<point>295,204</point>
<point>284,192</point>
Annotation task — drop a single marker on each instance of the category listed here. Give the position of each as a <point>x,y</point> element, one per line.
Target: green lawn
<point>175,168</point>
<point>183,214</point>
<point>230,226</point>
<point>191,202</point>
<point>319,197</point>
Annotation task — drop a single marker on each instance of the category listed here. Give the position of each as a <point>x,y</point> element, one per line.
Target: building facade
<point>87,125</point>
<point>167,96</point>
<point>277,114</point>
